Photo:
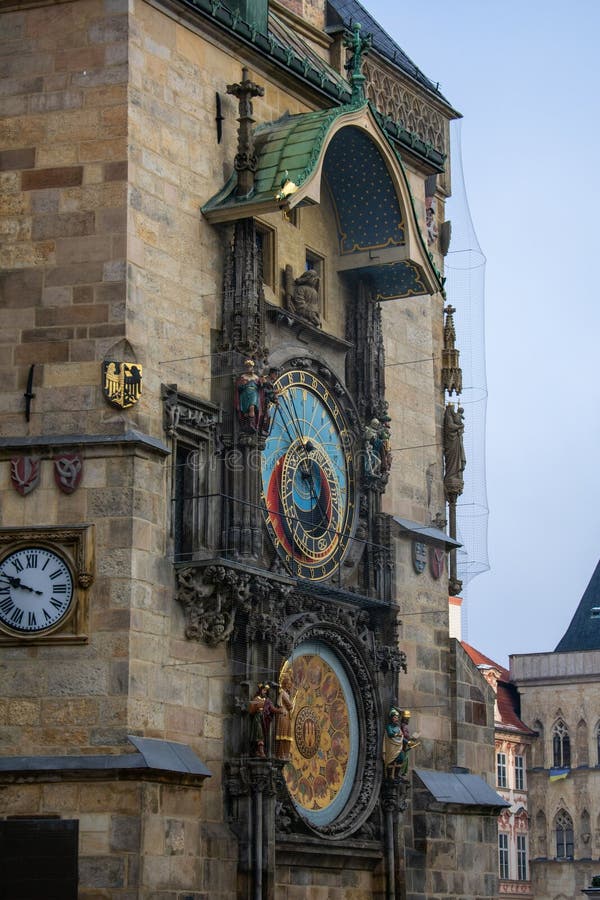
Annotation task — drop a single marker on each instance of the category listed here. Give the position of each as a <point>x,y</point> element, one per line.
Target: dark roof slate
<point>347,12</point>
<point>583,632</point>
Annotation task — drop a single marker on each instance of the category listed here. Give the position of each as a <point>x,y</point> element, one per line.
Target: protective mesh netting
<point>465,288</point>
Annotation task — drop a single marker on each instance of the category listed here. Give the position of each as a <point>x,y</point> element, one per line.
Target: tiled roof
<point>507,696</point>
<point>480,660</point>
<point>584,631</point>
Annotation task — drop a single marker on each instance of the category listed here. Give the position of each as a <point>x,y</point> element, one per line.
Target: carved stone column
<point>393,804</point>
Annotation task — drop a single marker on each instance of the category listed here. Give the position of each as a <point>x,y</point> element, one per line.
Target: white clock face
<point>36,590</point>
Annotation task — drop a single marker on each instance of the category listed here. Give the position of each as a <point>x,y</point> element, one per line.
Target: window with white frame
<point>501,770</point>
<point>503,855</point>
<point>519,773</point>
<point>522,857</point>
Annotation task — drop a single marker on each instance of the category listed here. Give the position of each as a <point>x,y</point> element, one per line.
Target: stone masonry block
<point>124,833</point>
<point>65,176</point>
<point>101,871</point>
<point>19,158</point>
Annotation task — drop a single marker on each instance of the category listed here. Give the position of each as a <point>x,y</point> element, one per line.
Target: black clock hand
<point>16,582</point>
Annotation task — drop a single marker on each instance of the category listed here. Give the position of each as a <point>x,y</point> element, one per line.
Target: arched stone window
<point>561,746</point>
<point>564,835</point>
<point>582,743</point>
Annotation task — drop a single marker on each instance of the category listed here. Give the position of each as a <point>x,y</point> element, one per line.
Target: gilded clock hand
<point>16,582</point>
<point>307,446</point>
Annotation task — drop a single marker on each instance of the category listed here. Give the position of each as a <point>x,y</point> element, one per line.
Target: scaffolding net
<point>465,288</point>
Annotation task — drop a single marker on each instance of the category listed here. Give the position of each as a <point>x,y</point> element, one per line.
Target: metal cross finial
<point>359,46</point>
<point>245,161</point>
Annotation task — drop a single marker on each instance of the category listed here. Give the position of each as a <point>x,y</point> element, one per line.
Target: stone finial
<point>451,371</point>
<point>245,160</point>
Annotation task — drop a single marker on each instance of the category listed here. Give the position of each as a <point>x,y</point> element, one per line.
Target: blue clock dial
<point>308,477</point>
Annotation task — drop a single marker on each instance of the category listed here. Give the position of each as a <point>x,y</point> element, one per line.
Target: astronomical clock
<point>301,586</point>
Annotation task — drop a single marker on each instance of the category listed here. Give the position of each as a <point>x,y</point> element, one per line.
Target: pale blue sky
<point>526,77</point>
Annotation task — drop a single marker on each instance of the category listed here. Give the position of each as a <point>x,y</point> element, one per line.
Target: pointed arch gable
<point>345,151</point>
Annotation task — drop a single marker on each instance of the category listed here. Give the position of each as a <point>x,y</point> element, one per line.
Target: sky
<point>526,78</point>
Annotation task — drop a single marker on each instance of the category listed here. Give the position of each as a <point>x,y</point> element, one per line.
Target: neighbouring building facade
<point>513,740</point>
<point>228,446</point>
<point>559,699</point>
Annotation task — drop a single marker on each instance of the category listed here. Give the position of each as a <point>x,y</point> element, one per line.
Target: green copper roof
<point>288,148</point>
<point>345,147</point>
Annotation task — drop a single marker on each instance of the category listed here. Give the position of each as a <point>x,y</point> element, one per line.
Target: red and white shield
<point>25,473</point>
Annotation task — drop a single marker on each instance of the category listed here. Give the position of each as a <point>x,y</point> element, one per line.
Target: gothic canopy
<point>346,151</point>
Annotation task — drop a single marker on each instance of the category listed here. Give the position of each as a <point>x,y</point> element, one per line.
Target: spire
<point>584,631</point>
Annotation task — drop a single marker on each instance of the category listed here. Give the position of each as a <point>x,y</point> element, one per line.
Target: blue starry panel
<point>396,280</point>
<point>367,207</point>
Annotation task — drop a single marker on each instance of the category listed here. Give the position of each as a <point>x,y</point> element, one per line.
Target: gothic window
<point>503,855</point>
<point>501,778</point>
<point>564,835</point>
<point>561,746</point>
<point>316,262</point>
<point>265,245</point>
<point>195,504</point>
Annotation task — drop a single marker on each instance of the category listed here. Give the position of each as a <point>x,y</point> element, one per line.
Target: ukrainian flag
<point>558,774</point>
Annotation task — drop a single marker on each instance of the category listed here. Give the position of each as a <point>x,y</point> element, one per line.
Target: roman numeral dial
<point>36,591</point>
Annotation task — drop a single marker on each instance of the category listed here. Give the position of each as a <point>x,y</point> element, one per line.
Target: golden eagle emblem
<point>122,382</point>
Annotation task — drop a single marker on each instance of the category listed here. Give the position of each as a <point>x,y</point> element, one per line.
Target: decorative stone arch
<point>307,629</point>
<point>585,833</point>
<point>582,744</point>
<point>540,836</point>
<point>537,747</point>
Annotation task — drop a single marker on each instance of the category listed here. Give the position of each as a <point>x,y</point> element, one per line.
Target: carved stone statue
<point>397,744</point>
<point>248,397</point>
<point>303,299</point>
<point>262,712</point>
<point>283,719</point>
<point>454,451</point>
<point>372,448</point>
<point>378,456</point>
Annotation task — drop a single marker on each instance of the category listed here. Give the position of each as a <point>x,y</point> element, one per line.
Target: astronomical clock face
<point>308,477</point>
<point>323,759</point>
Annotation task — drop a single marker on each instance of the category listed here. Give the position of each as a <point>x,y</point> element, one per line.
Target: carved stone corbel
<point>210,597</point>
